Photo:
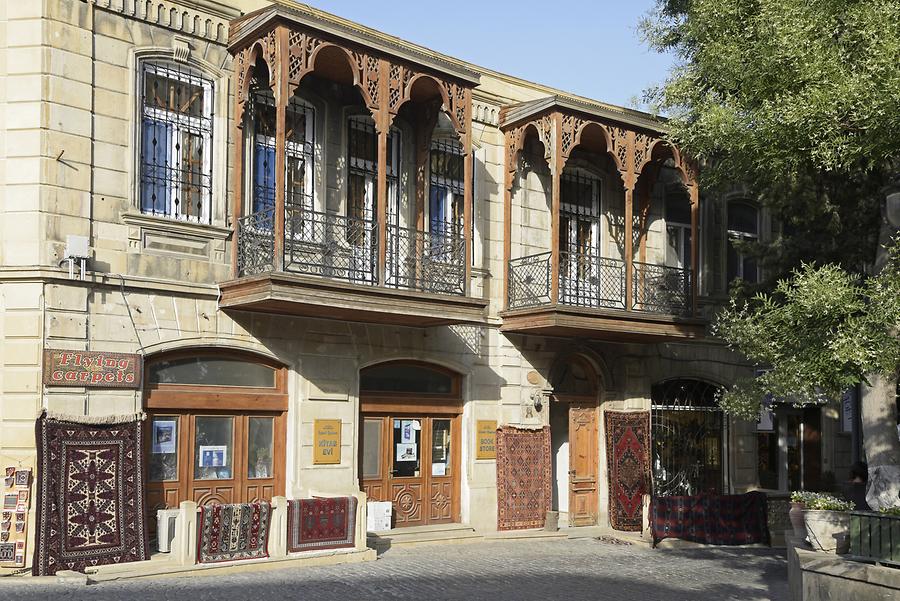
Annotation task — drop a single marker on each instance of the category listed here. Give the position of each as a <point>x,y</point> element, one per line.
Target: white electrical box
<point>378,516</point>
<point>165,529</point>
<point>77,247</point>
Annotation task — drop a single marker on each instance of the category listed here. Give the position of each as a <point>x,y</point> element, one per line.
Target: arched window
<point>687,431</point>
<point>175,142</point>
<point>743,225</point>
<point>575,377</point>
<point>408,378</point>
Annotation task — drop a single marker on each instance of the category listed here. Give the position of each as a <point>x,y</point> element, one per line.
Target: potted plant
<point>827,522</point>
<point>798,504</point>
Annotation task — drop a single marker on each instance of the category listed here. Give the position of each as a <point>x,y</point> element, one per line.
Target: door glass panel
<point>372,448</point>
<point>406,449</point>
<point>440,447</point>
<point>767,457</point>
<point>259,447</point>
<point>164,448</point>
<point>213,446</point>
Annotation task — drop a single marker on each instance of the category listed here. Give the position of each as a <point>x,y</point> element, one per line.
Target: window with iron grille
<point>362,161</point>
<point>176,142</point>
<point>447,187</point>
<point>579,230</point>
<point>298,149</point>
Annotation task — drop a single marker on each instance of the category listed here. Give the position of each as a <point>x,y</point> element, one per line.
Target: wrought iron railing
<point>256,242</point>
<point>661,289</point>
<point>529,281</point>
<point>587,280</point>
<point>330,245</point>
<point>428,261</point>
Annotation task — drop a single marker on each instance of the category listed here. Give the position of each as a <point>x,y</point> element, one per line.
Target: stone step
<point>422,534</point>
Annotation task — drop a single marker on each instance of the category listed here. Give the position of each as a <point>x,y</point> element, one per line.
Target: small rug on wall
<point>90,495</point>
<point>233,532</point>
<point>524,477</point>
<point>321,523</point>
<point>627,460</point>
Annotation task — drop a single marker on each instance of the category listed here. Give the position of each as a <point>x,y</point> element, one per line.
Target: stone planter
<point>827,530</point>
<point>796,517</point>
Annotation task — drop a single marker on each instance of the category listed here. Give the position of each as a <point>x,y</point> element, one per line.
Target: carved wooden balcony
<point>321,230</point>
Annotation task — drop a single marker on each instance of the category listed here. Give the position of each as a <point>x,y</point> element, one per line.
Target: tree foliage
<point>821,331</point>
<point>799,98</point>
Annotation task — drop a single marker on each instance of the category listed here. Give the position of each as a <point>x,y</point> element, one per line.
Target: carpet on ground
<point>711,519</point>
<point>524,477</point>
<point>321,523</point>
<point>90,492</point>
<point>233,532</point>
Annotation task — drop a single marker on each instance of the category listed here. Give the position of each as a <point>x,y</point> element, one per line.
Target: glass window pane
<point>212,371</point>
<point>405,378</point>
<point>767,457</point>
<point>213,448</point>
<point>372,448</point>
<point>260,447</point>
<point>406,448</point>
<point>440,447</point>
<point>743,218</point>
<point>164,448</point>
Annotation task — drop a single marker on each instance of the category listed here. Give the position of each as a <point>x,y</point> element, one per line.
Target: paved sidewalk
<point>538,570</point>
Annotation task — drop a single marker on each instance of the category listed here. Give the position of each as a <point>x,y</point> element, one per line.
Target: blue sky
<point>587,48</point>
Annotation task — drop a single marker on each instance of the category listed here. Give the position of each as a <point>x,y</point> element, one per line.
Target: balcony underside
<point>601,324</point>
<point>305,296</point>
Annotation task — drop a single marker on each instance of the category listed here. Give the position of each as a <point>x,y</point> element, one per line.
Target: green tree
<point>801,98</point>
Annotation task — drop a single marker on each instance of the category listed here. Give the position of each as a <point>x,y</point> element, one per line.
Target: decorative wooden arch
<point>631,146</point>
<point>283,36</point>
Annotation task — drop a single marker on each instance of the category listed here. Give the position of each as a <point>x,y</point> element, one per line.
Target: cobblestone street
<point>525,570</point>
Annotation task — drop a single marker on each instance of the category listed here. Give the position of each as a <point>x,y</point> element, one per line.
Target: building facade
<point>300,223</point>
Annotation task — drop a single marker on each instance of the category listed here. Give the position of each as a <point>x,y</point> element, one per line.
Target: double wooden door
<point>214,457</point>
<point>584,450</point>
<point>412,460</point>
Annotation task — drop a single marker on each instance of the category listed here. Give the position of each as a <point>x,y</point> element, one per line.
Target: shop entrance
<point>409,448</point>
<point>216,429</point>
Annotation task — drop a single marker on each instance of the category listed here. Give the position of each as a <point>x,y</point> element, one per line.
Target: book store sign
<point>92,369</point>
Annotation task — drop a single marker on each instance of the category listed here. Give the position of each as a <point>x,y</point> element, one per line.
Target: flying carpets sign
<point>92,369</point>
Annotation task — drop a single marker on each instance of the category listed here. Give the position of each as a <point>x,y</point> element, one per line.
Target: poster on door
<point>407,452</point>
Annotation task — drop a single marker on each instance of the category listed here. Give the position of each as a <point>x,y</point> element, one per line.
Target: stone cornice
<point>204,19</point>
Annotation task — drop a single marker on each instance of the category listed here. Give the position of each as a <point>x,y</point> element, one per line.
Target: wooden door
<point>584,449</point>
<point>413,462</point>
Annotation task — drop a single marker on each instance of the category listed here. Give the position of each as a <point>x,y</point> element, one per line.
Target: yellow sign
<point>326,441</point>
<point>486,435</point>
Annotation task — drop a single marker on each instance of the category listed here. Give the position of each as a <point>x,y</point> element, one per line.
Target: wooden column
<point>556,169</point>
<point>468,195</point>
<point>508,175</point>
<point>629,236</point>
<point>237,185</point>
<point>695,245</point>
<point>281,102</point>
<point>381,201</point>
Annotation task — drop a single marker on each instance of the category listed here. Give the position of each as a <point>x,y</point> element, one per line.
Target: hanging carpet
<point>90,495</point>
<point>711,519</point>
<point>628,465</point>
<point>524,477</point>
<point>233,532</point>
<point>321,523</point>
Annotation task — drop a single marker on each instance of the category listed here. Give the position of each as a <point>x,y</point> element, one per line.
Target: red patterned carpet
<point>628,463</point>
<point>523,477</point>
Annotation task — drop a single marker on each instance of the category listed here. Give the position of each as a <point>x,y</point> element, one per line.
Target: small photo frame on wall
<point>7,552</point>
<point>10,471</point>
<point>9,481</point>
<point>22,500</point>
<point>20,526</point>
<point>10,500</point>
<point>23,477</point>
<point>4,536</point>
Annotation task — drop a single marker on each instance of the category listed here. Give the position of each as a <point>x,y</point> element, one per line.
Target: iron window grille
<point>579,239</point>
<point>688,438</point>
<point>176,142</point>
<point>446,182</point>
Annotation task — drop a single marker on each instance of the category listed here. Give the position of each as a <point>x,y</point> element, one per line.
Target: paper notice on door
<point>438,469</point>
<point>407,433</point>
<point>407,452</point>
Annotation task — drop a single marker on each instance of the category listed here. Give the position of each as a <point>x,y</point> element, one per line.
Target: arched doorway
<point>216,428</point>
<point>687,430</point>
<point>575,442</point>
<point>410,440</point>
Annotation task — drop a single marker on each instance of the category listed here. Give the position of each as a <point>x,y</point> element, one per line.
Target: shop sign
<point>486,439</point>
<point>326,441</point>
<point>848,410</point>
<point>92,369</point>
